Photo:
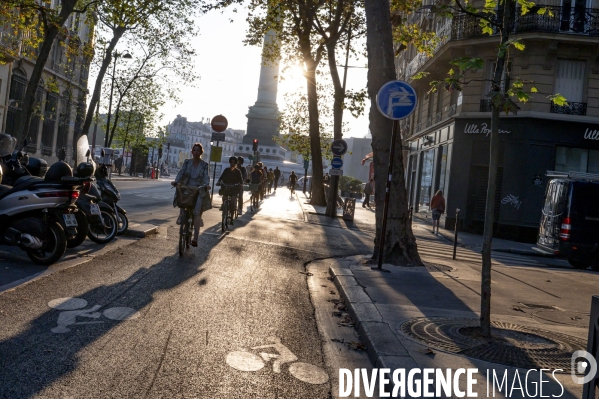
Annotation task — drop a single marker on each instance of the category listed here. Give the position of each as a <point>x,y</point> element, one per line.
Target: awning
<point>367,158</point>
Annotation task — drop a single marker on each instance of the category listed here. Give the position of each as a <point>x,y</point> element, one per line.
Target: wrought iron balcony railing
<point>557,19</point>
<point>570,109</point>
<point>453,109</point>
<point>485,105</point>
<point>438,117</point>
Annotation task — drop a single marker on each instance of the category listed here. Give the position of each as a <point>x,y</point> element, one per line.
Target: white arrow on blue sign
<point>337,163</point>
<point>339,147</point>
<point>396,100</point>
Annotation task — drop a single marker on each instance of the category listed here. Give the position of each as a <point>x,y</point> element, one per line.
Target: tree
<point>145,19</point>
<point>47,23</point>
<point>152,77</point>
<point>400,245</point>
<point>494,17</point>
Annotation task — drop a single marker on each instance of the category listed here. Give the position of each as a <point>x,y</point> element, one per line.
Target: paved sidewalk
<point>380,303</point>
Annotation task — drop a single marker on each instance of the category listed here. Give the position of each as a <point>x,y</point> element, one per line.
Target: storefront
<point>455,157</point>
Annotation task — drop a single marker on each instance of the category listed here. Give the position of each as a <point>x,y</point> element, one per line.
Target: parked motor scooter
<point>111,195</point>
<point>96,215</point>
<point>27,165</point>
<point>37,214</point>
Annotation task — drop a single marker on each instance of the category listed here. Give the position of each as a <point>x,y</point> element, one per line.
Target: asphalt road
<point>139,321</point>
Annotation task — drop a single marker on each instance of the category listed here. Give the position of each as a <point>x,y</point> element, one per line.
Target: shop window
<point>426,180</point>
<point>441,168</point>
<point>576,160</point>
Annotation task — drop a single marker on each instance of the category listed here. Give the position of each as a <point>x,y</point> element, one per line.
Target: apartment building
<point>448,135</point>
<point>183,135</point>
<point>60,102</point>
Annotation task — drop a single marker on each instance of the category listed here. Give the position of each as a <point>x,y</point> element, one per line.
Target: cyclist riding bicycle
<point>231,176</point>
<point>195,172</point>
<point>240,161</point>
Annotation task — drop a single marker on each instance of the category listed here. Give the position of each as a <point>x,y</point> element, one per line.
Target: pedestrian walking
<point>277,174</point>
<point>438,208</point>
<point>368,191</point>
<point>271,179</point>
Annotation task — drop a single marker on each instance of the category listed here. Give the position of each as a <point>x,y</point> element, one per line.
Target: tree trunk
<point>485,303</point>
<point>339,97</point>
<point>400,244</point>
<point>117,33</point>
<point>53,28</point>
<point>318,197</point>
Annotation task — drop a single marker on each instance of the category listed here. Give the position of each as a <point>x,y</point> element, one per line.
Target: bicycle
<point>187,227</point>
<point>228,193</point>
<point>292,188</point>
<point>255,197</point>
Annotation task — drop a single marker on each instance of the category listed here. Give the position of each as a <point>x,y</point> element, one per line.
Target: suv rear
<point>570,219</point>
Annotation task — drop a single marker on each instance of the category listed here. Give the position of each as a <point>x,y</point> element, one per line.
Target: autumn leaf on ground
<point>357,346</point>
<point>518,309</point>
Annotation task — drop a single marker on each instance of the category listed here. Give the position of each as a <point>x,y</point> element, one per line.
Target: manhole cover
<point>512,344</point>
<point>568,318</point>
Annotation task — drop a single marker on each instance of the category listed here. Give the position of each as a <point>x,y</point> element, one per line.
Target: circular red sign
<point>219,123</point>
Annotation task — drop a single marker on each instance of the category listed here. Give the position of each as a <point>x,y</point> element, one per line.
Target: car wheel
<point>577,264</point>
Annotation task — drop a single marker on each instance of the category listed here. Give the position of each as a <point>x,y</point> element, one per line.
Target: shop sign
<point>483,129</point>
<point>591,134</point>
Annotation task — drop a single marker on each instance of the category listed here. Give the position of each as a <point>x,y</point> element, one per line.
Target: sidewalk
<point>364,218</point>
<point>475,241</point>
<point>406,317</point>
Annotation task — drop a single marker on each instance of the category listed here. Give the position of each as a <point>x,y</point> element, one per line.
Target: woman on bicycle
<point>231,176</point>
<point>195,172</point>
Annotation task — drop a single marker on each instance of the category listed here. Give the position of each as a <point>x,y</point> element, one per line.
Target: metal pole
<point>394,135</point>
<point>305,179</point>
<point>213,176</point>
<point>110,102</point>
<point>455,236</point>
<point>95,128</point>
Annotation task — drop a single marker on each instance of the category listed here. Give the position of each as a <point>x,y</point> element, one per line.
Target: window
<point>576,160</point>
<point>569,81</point>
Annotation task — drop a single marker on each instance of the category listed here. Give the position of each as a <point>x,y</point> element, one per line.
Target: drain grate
<point>512,344</point>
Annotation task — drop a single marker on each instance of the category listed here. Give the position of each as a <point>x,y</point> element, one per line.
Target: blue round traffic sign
<point>396,100</point>
<point>339,147</point>
<point>337,163</point>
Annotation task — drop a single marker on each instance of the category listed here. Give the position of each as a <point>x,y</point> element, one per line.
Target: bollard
<point>455,236</point>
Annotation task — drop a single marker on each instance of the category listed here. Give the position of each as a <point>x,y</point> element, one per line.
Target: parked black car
<point>570,219</point>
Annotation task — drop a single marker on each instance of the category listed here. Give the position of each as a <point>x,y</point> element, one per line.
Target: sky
<point>229,74</point>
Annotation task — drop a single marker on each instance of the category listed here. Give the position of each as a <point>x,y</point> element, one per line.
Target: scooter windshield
<point>7,144</point>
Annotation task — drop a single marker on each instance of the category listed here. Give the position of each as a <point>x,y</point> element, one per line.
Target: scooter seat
<point>4,189</point>
<point>22,183</point>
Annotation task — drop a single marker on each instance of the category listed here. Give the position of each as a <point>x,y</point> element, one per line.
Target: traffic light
<point>255,145</point>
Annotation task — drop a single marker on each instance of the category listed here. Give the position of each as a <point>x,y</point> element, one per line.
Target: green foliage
<point>351,184</point>
<point>558,99</point>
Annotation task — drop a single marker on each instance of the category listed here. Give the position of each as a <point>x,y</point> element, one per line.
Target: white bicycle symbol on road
<point>247,361</point>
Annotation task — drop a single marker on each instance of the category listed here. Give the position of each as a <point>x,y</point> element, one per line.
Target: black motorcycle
<point>111,195</point>
<point>95,214</point>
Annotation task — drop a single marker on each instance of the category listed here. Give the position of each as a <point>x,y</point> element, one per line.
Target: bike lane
<point>146,323</point>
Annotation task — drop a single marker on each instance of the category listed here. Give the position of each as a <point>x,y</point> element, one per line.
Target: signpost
<point>338,148</point>
<point>336,172</point>
<point>306,166</point>
<point>219,123</point>
<point>396,100</point>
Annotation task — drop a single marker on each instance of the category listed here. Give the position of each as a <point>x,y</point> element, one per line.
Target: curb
<point>141,231</point>
<point>383,347</point>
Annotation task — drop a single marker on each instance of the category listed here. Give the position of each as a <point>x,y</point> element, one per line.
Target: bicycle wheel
<point>224,214</point>
<point>181,238</point>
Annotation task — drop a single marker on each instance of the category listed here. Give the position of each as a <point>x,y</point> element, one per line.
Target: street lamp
<point>116,55</point>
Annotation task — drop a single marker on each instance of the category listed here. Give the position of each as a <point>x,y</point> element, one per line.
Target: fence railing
<point>570,109</point>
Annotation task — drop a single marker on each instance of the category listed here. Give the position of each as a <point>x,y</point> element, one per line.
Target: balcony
<point>486,105</point>
<point>570,109</point>
<point>564,20</point>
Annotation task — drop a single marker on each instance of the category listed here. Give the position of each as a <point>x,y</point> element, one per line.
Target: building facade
<point>448,135</point>
<point>60,100</point>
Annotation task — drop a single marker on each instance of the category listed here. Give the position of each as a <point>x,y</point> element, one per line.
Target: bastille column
<point>263,122</point>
